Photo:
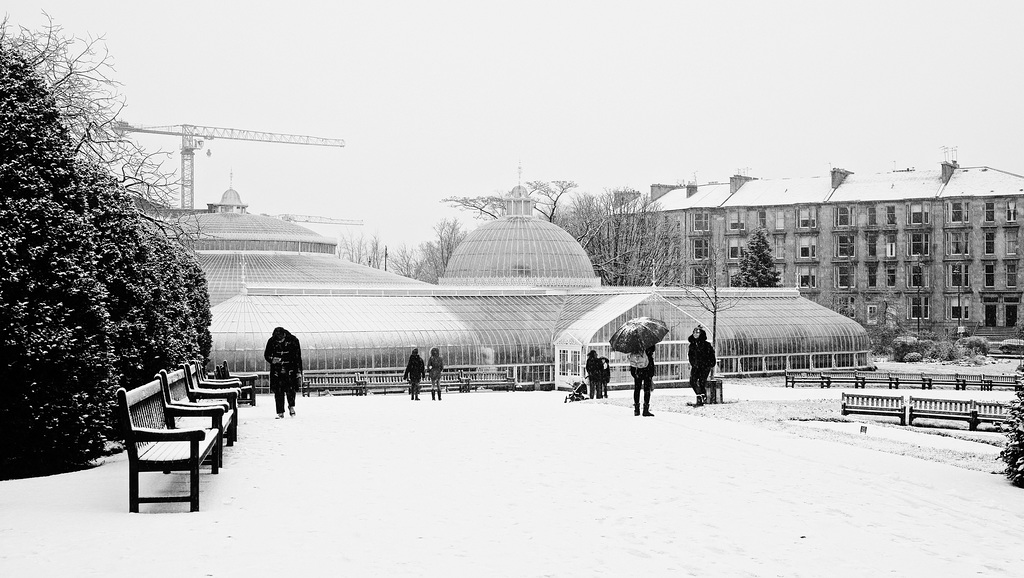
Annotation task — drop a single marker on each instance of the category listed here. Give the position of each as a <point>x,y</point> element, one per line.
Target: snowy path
<point>514,484</point>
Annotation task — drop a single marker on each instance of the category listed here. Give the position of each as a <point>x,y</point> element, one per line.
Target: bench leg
<point>133,488</point>
<point>194,485</point>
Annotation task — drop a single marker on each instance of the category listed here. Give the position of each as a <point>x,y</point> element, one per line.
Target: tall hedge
<point>95,296</point>
<point>1013,451</point>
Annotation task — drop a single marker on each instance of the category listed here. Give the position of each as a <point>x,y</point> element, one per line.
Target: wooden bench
<point>872,377</point>
<point>950,409</point>
<point>386,383</point>
<point>930,380</point>
<point>333,383</point>
<point>898,378</point>
<point>190,373</point>
<point>795,377</point>
<point>991,412</point>
<point>493,380</point>
<point>200,380</point>
<point>177,393</point>
<point>993,381</point>
<point>883,405</point>
<point>830,378</point>
<point>153,443</point>
<point>965,379</point>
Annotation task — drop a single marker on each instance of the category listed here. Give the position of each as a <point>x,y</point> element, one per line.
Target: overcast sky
<point>448,98</point>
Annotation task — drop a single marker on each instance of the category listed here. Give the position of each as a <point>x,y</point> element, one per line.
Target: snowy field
<point>521,484</point>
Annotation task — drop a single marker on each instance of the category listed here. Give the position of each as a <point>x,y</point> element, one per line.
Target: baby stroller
<point>579,392</point>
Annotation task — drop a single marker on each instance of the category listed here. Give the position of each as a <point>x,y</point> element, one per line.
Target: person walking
<point>414,373</point>
<point>641,367</point>
<point>702,360</point>
<point>284,354</point>
<point>594,374</point>
<point>434,366</point>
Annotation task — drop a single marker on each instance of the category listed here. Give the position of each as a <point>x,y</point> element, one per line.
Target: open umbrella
<point>638,335</point>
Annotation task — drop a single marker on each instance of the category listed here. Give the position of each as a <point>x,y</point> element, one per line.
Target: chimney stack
<point>691,189</point>
<point>838,176</point>
<point>659,191</point>
<point>947,170</point>
<point>736,181</point>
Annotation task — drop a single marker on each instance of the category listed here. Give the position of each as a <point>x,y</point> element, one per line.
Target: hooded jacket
<point>288,350</point>
<point>701,354</point>
<point>414,369</point>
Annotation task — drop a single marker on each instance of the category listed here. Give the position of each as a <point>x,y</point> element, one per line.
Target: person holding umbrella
<point>637,338</point>
<point>702,360</point>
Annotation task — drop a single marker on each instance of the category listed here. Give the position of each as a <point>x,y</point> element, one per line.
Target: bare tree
<point>630,242</point>
<point>406,261</point>
<point>437,253</point>
<point>705,282</point>
<point>550,194</point>
<point>79,74</point>
<point>354,248</point>
<point>487,207</point>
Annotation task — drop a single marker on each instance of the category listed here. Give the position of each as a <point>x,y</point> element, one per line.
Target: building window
<point>958,309</point>
<point>872,216</point>
<point>959,274</point>
<point>872,274</point>
<point>919,244</point>
<point>890,214</point>
<point>918,214</point>
<point>990,274</point>
<point>890,275</point>
<point>958,212</point>
<point>1011,275</point>
<point>808,217</point>
<point>735,221</point>
<point>780,247</point>
<point>844,276</point>
<point>845,246</point>
<point>990,211</point>
<point>700,276</point>
<point>872,244</point>
<point>843,216</point>
<point>957,243</point>
<point>701,222</point>
<point>918,308</point>
<point>807,277</point>
<point>762,218</point>
<point>780,220</point>
<point>990,242</point>
<point>890,244</point>
<point>916,277</point>
<point>872,314</point>
<point>1011,211</point>
<point>808,247</point>
<point>845,305</point>
<point>700,248</point>
<point>1011,242</point>
<point>737,248</point>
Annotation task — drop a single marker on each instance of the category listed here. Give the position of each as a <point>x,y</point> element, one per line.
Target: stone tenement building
<point>938,248</point>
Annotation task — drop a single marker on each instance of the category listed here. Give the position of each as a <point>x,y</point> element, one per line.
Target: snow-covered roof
<point>888,186</point>
<point>982,181</point>
<point>708,195</point>
<point>798,191</point>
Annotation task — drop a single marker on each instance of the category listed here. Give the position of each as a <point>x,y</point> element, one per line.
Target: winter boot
<point>439,395</point>
<point>291,411</point>
<point>647,411</point>
<point>636,409</point>
<point>431,395</point>
<point>280,415</point>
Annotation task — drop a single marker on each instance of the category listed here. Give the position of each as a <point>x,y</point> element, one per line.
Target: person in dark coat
<point>221,371</point>
<point>594,374</point>
<point>702,360</point>
<point>643,378</point>
<point>414,373</point>
<point>284,354</point>
<point>434,367</point>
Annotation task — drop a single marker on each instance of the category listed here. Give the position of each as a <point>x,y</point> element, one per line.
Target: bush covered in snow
<point>1013,451</point>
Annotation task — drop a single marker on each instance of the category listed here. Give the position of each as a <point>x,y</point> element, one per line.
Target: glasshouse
<point>533,334</point>
<point>519,296</point>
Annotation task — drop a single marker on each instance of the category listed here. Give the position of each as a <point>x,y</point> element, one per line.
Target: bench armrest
<point>196,410</point>
<point>228,395</point>
<point>217,383</point>
<point>146,434</point>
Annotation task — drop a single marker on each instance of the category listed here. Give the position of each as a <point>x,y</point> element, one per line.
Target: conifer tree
<point>1013,451</point>
<point>757,267</point>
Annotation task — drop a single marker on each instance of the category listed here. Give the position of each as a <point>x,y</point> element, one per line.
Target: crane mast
<point>193,137</point>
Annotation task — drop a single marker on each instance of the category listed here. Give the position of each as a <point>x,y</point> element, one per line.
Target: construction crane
<point>193,136</point>
<point>315,219</point>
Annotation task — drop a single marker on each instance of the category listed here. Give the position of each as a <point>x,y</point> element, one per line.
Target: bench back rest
<point>879,401</point>
<point>970,377</point>
<point>142,407</point>
<point>1001,378</point>
<point>174,386</point>
<point>950,405</point>
<point>992,409</point>
<point>325,378</point>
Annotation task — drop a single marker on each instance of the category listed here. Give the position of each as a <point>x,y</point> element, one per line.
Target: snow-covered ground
<point>522,484</point>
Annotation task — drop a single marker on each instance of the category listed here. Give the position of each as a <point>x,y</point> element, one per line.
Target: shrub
<point>912,357</point>
<point>1012,346</point>
<point>1013,451</point>
<point>975,345</point>
<point>946,351</point>
<point>903,345</point>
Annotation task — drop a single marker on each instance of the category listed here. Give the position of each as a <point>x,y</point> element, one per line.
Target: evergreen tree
<point>1013,451</point>
<point>757,266</point>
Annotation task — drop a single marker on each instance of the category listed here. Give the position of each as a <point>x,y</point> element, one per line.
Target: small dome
<point>519,191</point>
<point>520,250</point>
<point>230,197</point>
